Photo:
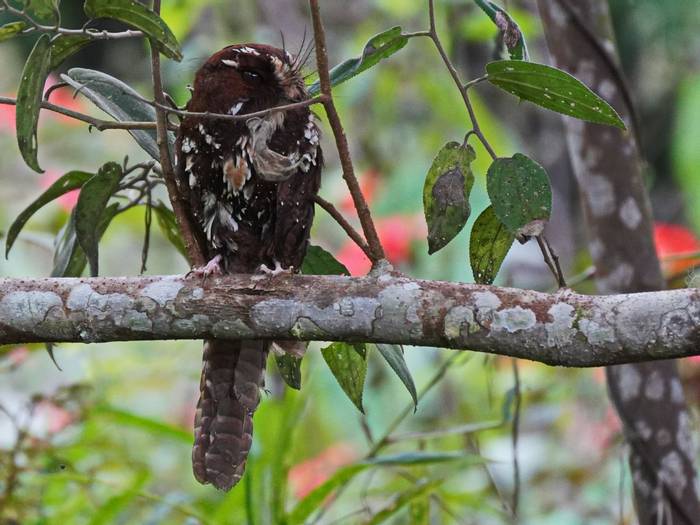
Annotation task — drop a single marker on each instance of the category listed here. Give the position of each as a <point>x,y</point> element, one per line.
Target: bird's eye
<point>251,76</point>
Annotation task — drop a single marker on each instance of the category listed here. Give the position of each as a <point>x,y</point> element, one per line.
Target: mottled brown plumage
<point>251,186</point>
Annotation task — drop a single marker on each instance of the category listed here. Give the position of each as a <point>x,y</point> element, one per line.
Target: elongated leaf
<point>349,366</point>
<point>393,354</point>
<point>553,89</point>
<point>139,16</point>
<point>420,489</point>
<point>319,262</point>
<point>168,225</point>
<point>289,368</point>
<point>11,30</point>
<point>29,96</point>
<point>488,246</point>
<point>91,205</point>
<point>521,194</point>
<point>446,194</point>
<point>151,426</point>
<point>63,46</point>
<point>512,35</point>
<point>121,102</point>
<point>420,458</point>
<point>69,257</point>
<point>109,511</point>
<point>377,48</point>
<point>68,182</point>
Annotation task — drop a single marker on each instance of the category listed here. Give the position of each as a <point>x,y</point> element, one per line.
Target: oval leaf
<point>120,101</point>
<point>377,48</point>
<point>349,366</point>
<point>42,10</point>
<point>446,194</point>
<point>12,29</point>
<point>29,97</point>
<point>488,246</point>
<point>289,368</point>
<point>68,182</point>
<point>136,14</point>
<point>521,195</point>
<point>63,46</point>
<point>319,262</point>
<point>553,89</point>
<point>91,205</point>
<point>393,354</point>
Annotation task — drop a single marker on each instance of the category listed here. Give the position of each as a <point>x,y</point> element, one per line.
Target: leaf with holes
<point>319,262</point>
<point>69,258</point>
<point>11,30</point>
<point>91,205</point>
<point>29,97</point>
<point>120,101</point>
<point>521,195</point>
<point>488,246</point>
<point>139,16</point>
<point>168,225</point>
<point>289,368</point>
<point>348,362</point>
<point>68,182</point>
<point>446,194</point>
<point>512,35</point>
<point>393,355</point>
<point>63,46</point>
<point>553,89</point>
<point>378,47</point>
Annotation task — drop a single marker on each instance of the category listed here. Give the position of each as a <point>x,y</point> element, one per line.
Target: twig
<point>195,248</point>
<point>463,88</point>
<point>375,246</point>
<point>96,123</point>
<point>344,224</point>
<point>551,260</point>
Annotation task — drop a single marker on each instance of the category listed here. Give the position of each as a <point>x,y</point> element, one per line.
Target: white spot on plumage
<point>248,50</point>
<point>236,108</point>
<point>231,63</point>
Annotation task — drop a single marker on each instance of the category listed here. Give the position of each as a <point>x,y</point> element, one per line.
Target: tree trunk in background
<point>648,397</point>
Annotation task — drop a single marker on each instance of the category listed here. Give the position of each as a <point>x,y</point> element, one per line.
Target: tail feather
<point>232,376</point>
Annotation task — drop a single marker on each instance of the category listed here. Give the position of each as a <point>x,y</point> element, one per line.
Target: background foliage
<point>108,438</point>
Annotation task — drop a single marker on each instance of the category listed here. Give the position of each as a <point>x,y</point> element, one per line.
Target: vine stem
<point>193,243</point>
<point>376,252</point>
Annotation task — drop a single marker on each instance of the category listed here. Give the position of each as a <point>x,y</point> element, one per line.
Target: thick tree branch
<point>564,328</point>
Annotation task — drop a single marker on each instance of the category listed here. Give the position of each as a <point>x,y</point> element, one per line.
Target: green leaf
<point>150,426</point>
<point>69,258</point>
<point>417,491</point>
<point>63,46</point>
<point>168,225</point>
<point>349,366</point>
<point>120,101</point>
<point>521,194</point>
<point>377,48</point>
<point>137,15</point>
<point>553,89</point>
<point>11,30</point>
<point>42,10</point>
<point>419,458</point>
<point>446,194</point>
<point>289,368</point>
<point>488,246</point>
<point>319,262</point>
<point>393,354</point>
<point>68,182</point>
<point>29,97</point>
<point>512,35</point>
<point>91,205</point>
<point>419,511</point>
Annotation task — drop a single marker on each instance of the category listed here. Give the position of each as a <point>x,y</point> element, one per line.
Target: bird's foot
<point>277,270</point>
<point>213,267</point>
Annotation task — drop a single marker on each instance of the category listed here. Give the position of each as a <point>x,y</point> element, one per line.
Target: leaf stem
<point>375,246</point>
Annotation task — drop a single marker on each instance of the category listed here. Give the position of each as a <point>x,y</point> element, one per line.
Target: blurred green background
<point>107,439</point>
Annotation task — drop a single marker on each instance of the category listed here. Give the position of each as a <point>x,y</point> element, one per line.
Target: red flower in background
<point>67,201</point>
<point>673,240</point>
<point>307,475</point>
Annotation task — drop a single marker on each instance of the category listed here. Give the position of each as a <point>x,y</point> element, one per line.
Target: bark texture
<point>564,328</point>
<point>607,166</point>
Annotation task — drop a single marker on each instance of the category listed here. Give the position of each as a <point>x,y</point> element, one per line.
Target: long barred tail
<point>232,376</point>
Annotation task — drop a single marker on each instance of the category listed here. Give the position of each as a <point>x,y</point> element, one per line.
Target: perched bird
<point>251,185</point>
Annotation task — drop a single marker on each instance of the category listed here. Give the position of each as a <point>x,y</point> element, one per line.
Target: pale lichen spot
<point>559,330</point>
<point>514,319</point>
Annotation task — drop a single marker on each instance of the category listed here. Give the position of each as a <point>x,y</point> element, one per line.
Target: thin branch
<point>375,246</point>
<point>344,224</point>
<point>195,248</point>
<point>463,88</point>
<point>96,123</point>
